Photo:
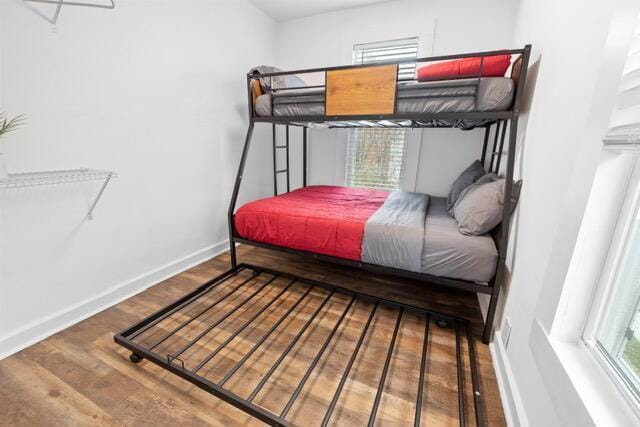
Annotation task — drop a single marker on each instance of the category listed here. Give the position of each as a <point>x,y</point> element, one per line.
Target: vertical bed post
<point>506,213</point>
<point>287,151</point>
<point>501,149</point>
<point>236,190</point>
<point>487,130</point>
<point>236,186</point>
<point>275,166</point>
<point>304,156</point>
<point>494,150</point>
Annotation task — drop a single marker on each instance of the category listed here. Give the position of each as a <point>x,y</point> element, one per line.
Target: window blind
<point>625,120</point>
<point>376,157</point>
<point>393,50</point>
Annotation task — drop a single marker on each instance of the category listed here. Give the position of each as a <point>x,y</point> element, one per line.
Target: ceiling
<point>283,10</point>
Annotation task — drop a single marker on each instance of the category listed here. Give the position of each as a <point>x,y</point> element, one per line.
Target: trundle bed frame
<point>157,342</point>
<point>149,338</point>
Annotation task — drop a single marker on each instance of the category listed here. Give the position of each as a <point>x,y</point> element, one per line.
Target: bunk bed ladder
<point>277,171</point>
<point>286,147</point>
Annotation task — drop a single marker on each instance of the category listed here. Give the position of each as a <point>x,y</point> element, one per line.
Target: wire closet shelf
<point>54,177</point>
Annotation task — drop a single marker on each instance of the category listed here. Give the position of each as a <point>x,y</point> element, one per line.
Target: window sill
<point>583,392</point>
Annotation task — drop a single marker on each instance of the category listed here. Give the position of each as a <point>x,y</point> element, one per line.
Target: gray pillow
<point>466,178</point>
<point>479,209</point>
<point>468,218</point>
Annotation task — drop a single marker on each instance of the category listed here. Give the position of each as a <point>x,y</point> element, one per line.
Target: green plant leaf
<point>7,126</point>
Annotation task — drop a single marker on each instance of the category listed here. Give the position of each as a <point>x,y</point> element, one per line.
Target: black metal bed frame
<point>484,119</point>
<point>130,339</point>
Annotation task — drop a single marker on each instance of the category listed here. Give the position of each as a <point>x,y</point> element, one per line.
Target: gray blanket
<point>414,232</point>
<point>394,235</point>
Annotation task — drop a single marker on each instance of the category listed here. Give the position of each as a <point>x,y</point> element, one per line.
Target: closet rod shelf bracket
<point>31,179</point>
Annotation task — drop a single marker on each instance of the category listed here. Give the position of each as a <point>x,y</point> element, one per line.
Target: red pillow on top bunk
<point>492,66</point>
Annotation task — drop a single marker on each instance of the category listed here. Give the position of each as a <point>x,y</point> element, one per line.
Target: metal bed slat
<point>345,375</point>
<point>163,314</point>
<point>284,354</point>
<point>264,337</point>
<point>461,404</point>
<point>475,381</point>
<point>383,376</point>
<point>296,393</point>
<point>200,313</point>
<point>282,89</point>
<point>458,95</point>
<point>304,102</point>
<point>222,319</point>
<point>241,328</point>
<point>423,365</point>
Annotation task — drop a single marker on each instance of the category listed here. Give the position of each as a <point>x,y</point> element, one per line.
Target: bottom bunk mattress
<point>409,231</point>
<point>322,219</point>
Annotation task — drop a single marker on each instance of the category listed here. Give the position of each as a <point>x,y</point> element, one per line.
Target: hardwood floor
<point>81,377</point>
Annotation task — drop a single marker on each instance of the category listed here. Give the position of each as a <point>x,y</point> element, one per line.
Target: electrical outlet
<point>505,333</point>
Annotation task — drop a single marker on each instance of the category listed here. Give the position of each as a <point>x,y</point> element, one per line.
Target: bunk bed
<point>330,223</point>
<point>466,96</point>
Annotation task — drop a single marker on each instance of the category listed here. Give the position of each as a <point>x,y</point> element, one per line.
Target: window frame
<point>618,244</point>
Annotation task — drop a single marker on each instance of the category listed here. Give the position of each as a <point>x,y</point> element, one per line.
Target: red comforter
<point>326,220</point>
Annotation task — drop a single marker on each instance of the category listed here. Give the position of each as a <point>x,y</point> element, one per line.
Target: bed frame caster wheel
<point>442,323</point>
<point>135,358</point>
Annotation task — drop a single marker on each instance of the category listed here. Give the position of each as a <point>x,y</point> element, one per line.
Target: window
<point>613,330</point>
<point>376,157</point>
<point>616,336</point>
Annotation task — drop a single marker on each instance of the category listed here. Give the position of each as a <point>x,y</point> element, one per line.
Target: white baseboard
<point>49,325</point>
<point>509,394</point>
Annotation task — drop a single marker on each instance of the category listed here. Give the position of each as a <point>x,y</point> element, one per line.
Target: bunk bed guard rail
<point>367,95</point>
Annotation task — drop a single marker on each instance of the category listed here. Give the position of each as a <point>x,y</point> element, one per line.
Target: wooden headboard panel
<point>363,90</point>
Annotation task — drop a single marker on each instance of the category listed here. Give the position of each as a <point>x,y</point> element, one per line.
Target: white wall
<point>153,90</point>
<point>575,70</point>
<point>329,38</point>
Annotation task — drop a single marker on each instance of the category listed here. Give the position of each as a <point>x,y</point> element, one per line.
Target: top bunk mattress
<point>493,94</point>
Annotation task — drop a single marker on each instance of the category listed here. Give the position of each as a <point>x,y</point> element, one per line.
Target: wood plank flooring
<point>81,377</point>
